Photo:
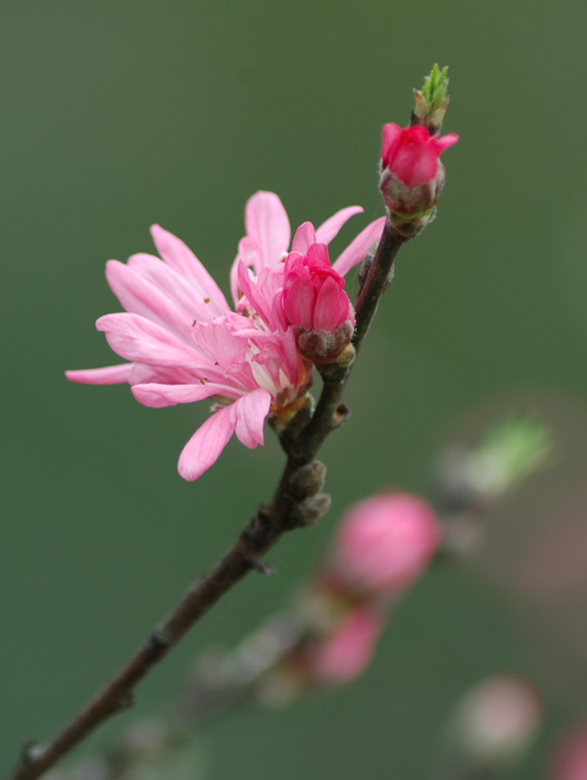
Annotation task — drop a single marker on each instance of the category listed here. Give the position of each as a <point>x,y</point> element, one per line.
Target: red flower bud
<point>315,304</point>
<point>412,176</point>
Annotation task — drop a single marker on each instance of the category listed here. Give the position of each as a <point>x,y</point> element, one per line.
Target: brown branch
<point>294,505</point>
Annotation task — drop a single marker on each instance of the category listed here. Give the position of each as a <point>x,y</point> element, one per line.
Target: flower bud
<point>345,653</point>
<point>315,304</point>
<point>412,176</point>
<point>571,759</point>
<point>497,719</point>
<point>384,544</point>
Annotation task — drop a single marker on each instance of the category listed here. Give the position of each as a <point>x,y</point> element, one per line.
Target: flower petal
<point>140,296</point>
<point>171,282</point>
<point>135,338</point>
<point>304,238</point>
<point>391,135</point>
<point>179,256</point>
<point>250,412</point>
<point>445,141</point>
<point>206,445</point>
<point>110,375</point>
<point>158,395</point>
<point>267,223</point>
<point>357,250</point>
<point>329,229</point>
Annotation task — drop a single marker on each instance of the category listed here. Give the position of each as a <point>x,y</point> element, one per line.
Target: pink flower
<point>412,176</point>
<point>315,303</point>
<point>186,345</point>
<point>412,154</point>
<point>348,650</point>
<point>571,759</point>
<point>313,292</point>
<point>385,543</point>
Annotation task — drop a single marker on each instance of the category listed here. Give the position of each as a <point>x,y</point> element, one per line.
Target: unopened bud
<point>571,759</point>
<point>315,304</point>
<point>496,720</point>
<point>346,652</point>
<point>308,480</point>
<point>412,176</point>
<point>385,543</point>
<point>310,511</point>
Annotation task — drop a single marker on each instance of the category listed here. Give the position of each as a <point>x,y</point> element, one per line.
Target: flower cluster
<point>185,344</point>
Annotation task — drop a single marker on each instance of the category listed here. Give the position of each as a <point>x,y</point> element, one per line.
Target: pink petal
<point>446,141</point>
<point>139,296</point>
<point>110,375</point>
<point>206,445</point>
<point>267,223</point>
<point>157,395</point>
<point>173,285</point>
<point>250,412</point>
<point>304,238</point>
<point>178,255</point>
<point>422,168</point>
<point>357,250</point>
<point>254,294</point>
<point>299,300</point>
<point>391,136</point>
<point>329,229</point>
<point>135,338</point>
<point>332,306</point>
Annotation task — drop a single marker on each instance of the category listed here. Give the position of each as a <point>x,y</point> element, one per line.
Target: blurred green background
<point>116,115</point>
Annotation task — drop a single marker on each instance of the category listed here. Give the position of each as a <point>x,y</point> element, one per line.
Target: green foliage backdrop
<point>120,114</point>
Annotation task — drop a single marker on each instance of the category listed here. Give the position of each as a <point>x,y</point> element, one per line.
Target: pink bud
<point>385,543</point>
<point>315,303</point>
<point>412,176</point>
<point>571,760</point>
<point>344,654</point>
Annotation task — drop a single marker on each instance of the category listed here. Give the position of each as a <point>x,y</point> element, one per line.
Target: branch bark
<point>270,523</point>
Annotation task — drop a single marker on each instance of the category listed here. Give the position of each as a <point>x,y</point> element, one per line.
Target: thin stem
<point>267,527</point>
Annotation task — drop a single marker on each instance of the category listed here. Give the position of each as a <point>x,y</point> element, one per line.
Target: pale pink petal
<point>446,141</point>
<point>110,375</point>
<point>267,223</point>
<point>140,296</point>
<point>135,338</point>
<point>357,250</point>
<point>178,255</point>
<point>304,238</point>
<point>157,395</point>
<point>329,229</point>
<point>174,285</point>
<point>206,445</point>
<point>254,294</point>
<point>251,411</point>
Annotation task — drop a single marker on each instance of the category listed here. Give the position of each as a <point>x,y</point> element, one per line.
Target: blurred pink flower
<point>412,154</point>
<point>347,651</point>
<point>571,760</point>
<point>186,345</point>
<point>385,543</point>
